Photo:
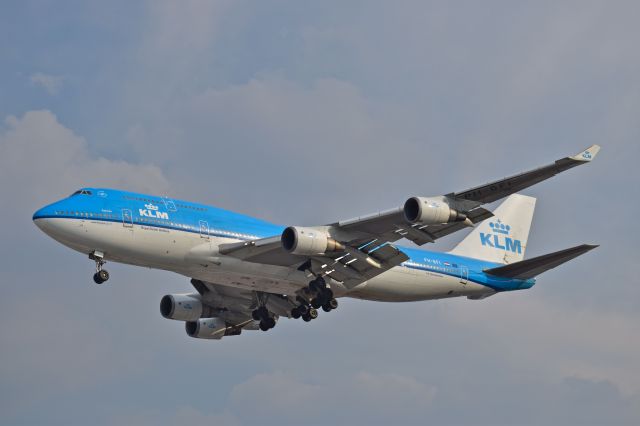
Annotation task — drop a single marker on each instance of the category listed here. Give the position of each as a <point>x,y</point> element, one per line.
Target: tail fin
<point>503,238</point>
<point>535,266</point>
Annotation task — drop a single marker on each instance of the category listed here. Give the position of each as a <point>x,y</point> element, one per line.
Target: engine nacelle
<point>308,241</point>
<point>431,211</point>
<point>208,328</point>
<point>183,307</point>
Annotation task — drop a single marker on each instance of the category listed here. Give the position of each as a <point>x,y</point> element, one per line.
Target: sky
<point>303,113</point>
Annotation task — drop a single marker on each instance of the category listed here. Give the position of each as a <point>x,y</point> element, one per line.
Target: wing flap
<point>358,265</point>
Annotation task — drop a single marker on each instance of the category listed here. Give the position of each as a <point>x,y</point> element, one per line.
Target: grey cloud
<point>39,153</point>
<point>286,396</point>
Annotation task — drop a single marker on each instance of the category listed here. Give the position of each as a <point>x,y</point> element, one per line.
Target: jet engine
<point>308,241</point>
<point>183,307</point>
<point>207,328</point>
<point>431,211</point>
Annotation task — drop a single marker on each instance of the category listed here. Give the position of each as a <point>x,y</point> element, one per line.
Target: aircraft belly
<point>402,284</point>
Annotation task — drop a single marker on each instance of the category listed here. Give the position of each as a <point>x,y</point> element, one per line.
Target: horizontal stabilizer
<point>533,267</point>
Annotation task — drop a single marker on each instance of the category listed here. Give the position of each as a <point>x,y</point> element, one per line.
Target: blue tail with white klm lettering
<point>502,238</point>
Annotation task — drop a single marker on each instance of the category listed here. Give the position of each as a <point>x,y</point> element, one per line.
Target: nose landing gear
<point>101,275</point>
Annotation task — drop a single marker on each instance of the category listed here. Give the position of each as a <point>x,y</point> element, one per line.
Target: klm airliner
<point>248,273</point>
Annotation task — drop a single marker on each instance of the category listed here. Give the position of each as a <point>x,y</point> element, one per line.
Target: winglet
<point>588,154</point>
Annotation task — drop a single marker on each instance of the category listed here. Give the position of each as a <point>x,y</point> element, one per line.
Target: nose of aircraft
<point>43,216</point>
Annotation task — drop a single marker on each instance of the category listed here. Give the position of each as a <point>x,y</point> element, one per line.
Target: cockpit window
<point>81,192</point>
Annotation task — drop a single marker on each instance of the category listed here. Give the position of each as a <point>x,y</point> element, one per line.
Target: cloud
<point>41,161</point>
<point>554,340</point>
<point>52,84</point>
<point>377,397</point>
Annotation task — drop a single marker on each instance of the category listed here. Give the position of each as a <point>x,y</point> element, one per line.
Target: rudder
<point>502,238</point>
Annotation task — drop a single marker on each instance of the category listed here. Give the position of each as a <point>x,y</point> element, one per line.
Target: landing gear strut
<point>101,275</point>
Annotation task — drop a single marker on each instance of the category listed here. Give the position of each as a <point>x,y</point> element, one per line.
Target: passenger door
<point>204,229</point>
<point>127,218</point>
<point>464,274</point>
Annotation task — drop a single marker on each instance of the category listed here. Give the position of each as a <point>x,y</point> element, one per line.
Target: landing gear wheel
<point>318,285</point>
<point>303,309</point>
<point>264,326</point>
<point>101,275</point>
<point>333,303</point>
<point>313,314</point>
<point>316,303</point>
<point>263,312</point>
<point>295,313</point>
<point>330,305</point>
<point>270,322</point>
<point>314,286</point>
<point>306,318</point>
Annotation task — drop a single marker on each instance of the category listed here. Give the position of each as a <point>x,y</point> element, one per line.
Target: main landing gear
<point>101,275</point>
<point>261,314</point>
<point>321,297</point>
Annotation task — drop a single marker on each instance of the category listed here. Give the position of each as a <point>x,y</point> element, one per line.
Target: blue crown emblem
<point>500,228</point>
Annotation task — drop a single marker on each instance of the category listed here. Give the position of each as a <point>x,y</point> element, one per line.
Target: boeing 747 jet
<point>248,273</point>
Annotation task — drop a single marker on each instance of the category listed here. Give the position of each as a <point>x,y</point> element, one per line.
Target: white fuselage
<point>196,256</point>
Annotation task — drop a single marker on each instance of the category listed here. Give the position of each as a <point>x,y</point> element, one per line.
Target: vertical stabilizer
<point>502,238</point>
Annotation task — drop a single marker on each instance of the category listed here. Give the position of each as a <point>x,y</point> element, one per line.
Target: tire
<point>264,326</point>
<point>314,286</point>
<point>263,312</point>
<point>306,318</point>
<point>316,303</point>
<point>333,303</point>
<point>270,322</point>
<point>313,314</point>
<point>96,279</point>
<point>303,309</point>
<point>326,307</point>
<point>327,294</point>
<point>103,274</point>
<point>295,313</point>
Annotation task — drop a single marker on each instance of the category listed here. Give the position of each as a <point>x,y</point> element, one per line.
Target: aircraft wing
<point>367,240</point>
<point>358,262</point>
<point>498,189</point>
<point>391,225</point>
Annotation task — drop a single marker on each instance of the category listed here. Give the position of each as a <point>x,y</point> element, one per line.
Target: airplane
<point>248,273</point>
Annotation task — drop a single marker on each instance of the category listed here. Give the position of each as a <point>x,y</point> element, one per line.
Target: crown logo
<point>151,206</point>
<point>499,228</point>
